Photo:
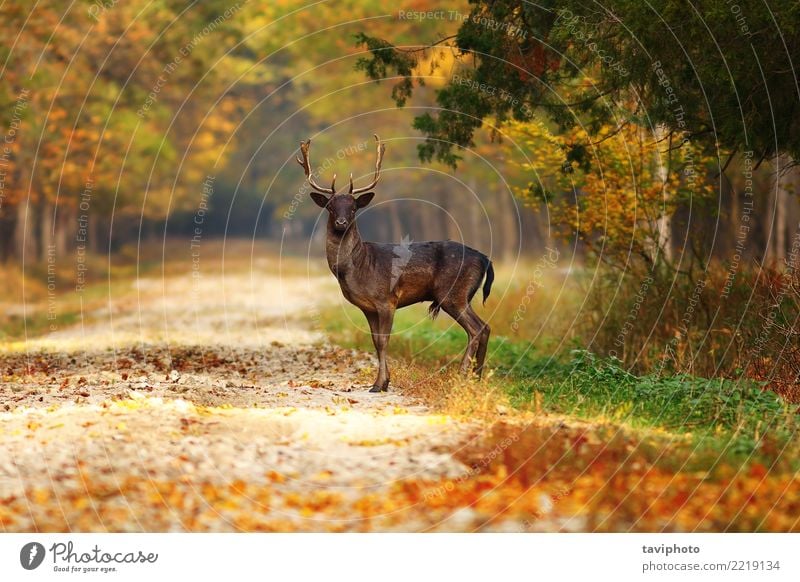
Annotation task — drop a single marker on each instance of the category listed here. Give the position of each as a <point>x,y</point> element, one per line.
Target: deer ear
<point>320,199</point>
<point>364,199</point>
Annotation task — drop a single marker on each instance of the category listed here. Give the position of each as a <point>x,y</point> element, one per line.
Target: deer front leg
<point>380,324</point>
<point>372,319</point>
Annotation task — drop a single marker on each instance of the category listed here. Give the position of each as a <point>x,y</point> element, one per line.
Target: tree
<point>720,72</point>
<point>617,202</point>
<point>107,122</point>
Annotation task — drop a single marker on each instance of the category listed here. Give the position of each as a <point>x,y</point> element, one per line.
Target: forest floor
<point>217,404</point>
<point>198,404</point>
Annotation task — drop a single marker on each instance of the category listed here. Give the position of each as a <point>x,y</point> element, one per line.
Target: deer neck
<point>343,249</point>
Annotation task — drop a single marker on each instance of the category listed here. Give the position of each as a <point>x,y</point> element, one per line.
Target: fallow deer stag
<point>379,278</point>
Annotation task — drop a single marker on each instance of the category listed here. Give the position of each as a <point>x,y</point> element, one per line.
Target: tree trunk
<point>8,226</point>
<point>735,219</point>
<point>767,225</point>
<point>24,244</point>
<point>509,223</point>
<point>782,199</point>
<point>476,238</point>
<point>664,221</point>
<point>64,218</point>
<point>450,218</point>
<point>664,240</point>
<point>45,232</point>
<point>94,234</point>
<point>429,222</point>
<point>783,192</point>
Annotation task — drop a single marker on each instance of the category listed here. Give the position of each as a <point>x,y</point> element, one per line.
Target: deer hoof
<point>378,388</point>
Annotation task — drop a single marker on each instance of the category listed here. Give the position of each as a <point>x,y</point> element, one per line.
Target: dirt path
<point>203,405</point>
<point>215,405</point>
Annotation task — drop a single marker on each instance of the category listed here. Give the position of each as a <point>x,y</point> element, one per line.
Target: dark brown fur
<point>379,278</point>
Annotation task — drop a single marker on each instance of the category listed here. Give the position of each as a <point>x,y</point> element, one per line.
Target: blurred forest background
<point>130,124</point>
<point>160,98</point>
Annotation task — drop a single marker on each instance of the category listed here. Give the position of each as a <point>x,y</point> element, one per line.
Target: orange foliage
<point>521,478</point>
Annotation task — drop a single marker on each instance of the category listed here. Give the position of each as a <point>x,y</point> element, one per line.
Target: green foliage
<point>386,57</point>
<point>720,75</point>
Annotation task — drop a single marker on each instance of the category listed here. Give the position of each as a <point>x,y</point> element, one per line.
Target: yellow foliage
<point>634,180</point>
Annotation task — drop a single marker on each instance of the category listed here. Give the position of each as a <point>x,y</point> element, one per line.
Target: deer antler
<point>381,150</point>
<point>306,163</point>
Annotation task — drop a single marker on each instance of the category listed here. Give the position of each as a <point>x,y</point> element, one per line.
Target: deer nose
<point>341,222</point>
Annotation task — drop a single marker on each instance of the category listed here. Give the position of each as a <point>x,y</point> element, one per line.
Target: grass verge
<point>703,422</point>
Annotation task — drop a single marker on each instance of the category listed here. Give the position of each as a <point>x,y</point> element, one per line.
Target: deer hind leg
<point>380,324</point>
<point>483,340</point>
<point>467,319</point>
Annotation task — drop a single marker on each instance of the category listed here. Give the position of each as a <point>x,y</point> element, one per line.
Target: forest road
<point>212,404</point>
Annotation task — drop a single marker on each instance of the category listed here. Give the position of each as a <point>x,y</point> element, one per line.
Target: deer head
<point>341,206</point>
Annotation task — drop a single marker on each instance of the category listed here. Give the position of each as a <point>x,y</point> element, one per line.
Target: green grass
<point>719,417</point>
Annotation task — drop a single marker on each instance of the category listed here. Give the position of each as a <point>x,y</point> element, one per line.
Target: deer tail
<point>487,284</point>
